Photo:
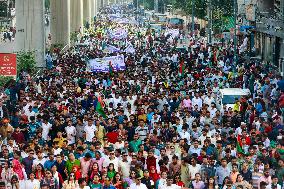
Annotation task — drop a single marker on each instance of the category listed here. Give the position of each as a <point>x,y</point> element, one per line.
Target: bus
<point>176,23</point>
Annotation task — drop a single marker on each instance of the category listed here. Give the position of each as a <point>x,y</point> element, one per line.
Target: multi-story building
<point>263,22</point>
<point>269,30</point>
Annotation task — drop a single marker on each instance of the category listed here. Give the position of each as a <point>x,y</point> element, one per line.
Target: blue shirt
<point>149,116</point>
<point>221,173</point>
<point>48,164</point>
<point>258,107</point>
<point>33,127</point>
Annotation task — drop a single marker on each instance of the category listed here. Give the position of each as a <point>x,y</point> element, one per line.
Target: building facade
<point>262,21</point>
<point>269,31</point>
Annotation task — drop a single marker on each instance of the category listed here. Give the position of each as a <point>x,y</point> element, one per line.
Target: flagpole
<point>235,33</point>
<point>192,16</point>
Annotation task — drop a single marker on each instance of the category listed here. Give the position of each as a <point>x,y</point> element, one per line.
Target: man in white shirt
<point>184,134</point>
<point>203,137</point>
<point>196,100</point>
<point>71,132</point>
<point>124,165</point>
<point>40,159</point>
<point>116,100</point>
<point>170,184</point>
<point>138,184</point>
<point>46,126</point>
<point>274,183</point>
<point>240,129</point>
<point>90,130</point>
<point>82,184</point>
<point>194,168</point>
<point>111,159</point>
<point>195,148</point>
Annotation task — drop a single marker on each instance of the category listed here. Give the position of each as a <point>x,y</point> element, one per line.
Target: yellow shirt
<point>236,107</point>
<point>100,133</point>
<point>60,141</point>
<point>143,117</point>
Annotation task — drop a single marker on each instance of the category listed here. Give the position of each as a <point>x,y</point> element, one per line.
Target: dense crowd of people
<point>8,34</point>
<point>161,126</point>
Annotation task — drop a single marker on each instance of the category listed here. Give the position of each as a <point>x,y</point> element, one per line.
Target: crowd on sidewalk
<point>158,124</point>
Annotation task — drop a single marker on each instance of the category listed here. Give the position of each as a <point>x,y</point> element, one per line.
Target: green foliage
<point>26,61</point>
<point>47,4</point>
<point>221,8</point>
<point>149,5</point>
<point>222,12</point>
<point>3,9</point>
<point>200,7</point>
<point>73,36</point>
<point>56,46</point>
<point>4,80</point>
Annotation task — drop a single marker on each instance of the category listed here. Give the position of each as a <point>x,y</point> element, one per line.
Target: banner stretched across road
<point>102,64</point>
<point>111,49</point>
<point>172,32</point>
<point>130,49</point>
<point>118,34</point>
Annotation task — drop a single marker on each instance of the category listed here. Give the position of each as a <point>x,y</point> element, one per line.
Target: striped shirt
<point>255,178</point>
<point>142,132</point>
<point>3,160</point>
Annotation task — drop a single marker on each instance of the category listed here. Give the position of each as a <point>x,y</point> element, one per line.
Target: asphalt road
<point>10,47</point>
<point>7,47</point>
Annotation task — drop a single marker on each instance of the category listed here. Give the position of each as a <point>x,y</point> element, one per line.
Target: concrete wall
<point>60,21</point>
<point>93,9</point>
<point>76,15</point>
<point>266,5</point>
<point>87,11</point>
<point>30,28</point>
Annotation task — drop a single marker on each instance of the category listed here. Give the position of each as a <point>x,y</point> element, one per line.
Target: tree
<point>222,14</point>
<point>26,62</point>
<point>199,7</point>
<point>3,8</point>
<point>47,4</point>
<point>4,80</point>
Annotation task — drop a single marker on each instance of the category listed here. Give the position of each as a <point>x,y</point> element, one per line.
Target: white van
<point>228,96</point>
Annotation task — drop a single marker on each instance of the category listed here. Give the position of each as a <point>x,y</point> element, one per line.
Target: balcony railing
<point>271,26</point>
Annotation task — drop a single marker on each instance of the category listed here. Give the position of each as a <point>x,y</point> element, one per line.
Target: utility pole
<point>210,21</point>
<point>192,15</point>
<point>137,5</point>
<point>8,9</point>
<point>235,32</point>
<point>156,6</point>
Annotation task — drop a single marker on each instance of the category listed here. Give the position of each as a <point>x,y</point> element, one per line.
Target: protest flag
<point>100,107</point>
<point>181,68</point>
<point>110,69</point>
<point>239,148</point>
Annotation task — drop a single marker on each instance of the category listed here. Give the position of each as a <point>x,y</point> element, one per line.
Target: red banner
<point>8,64</point>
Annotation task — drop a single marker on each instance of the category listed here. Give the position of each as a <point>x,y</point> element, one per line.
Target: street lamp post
<point>192,15</point>
<point>235,31</point>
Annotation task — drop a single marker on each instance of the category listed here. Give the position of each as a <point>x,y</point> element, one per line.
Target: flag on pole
<point>239,148</point>
<point>100,107</point>
<point>110,69</point>
<point>181,68</point>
